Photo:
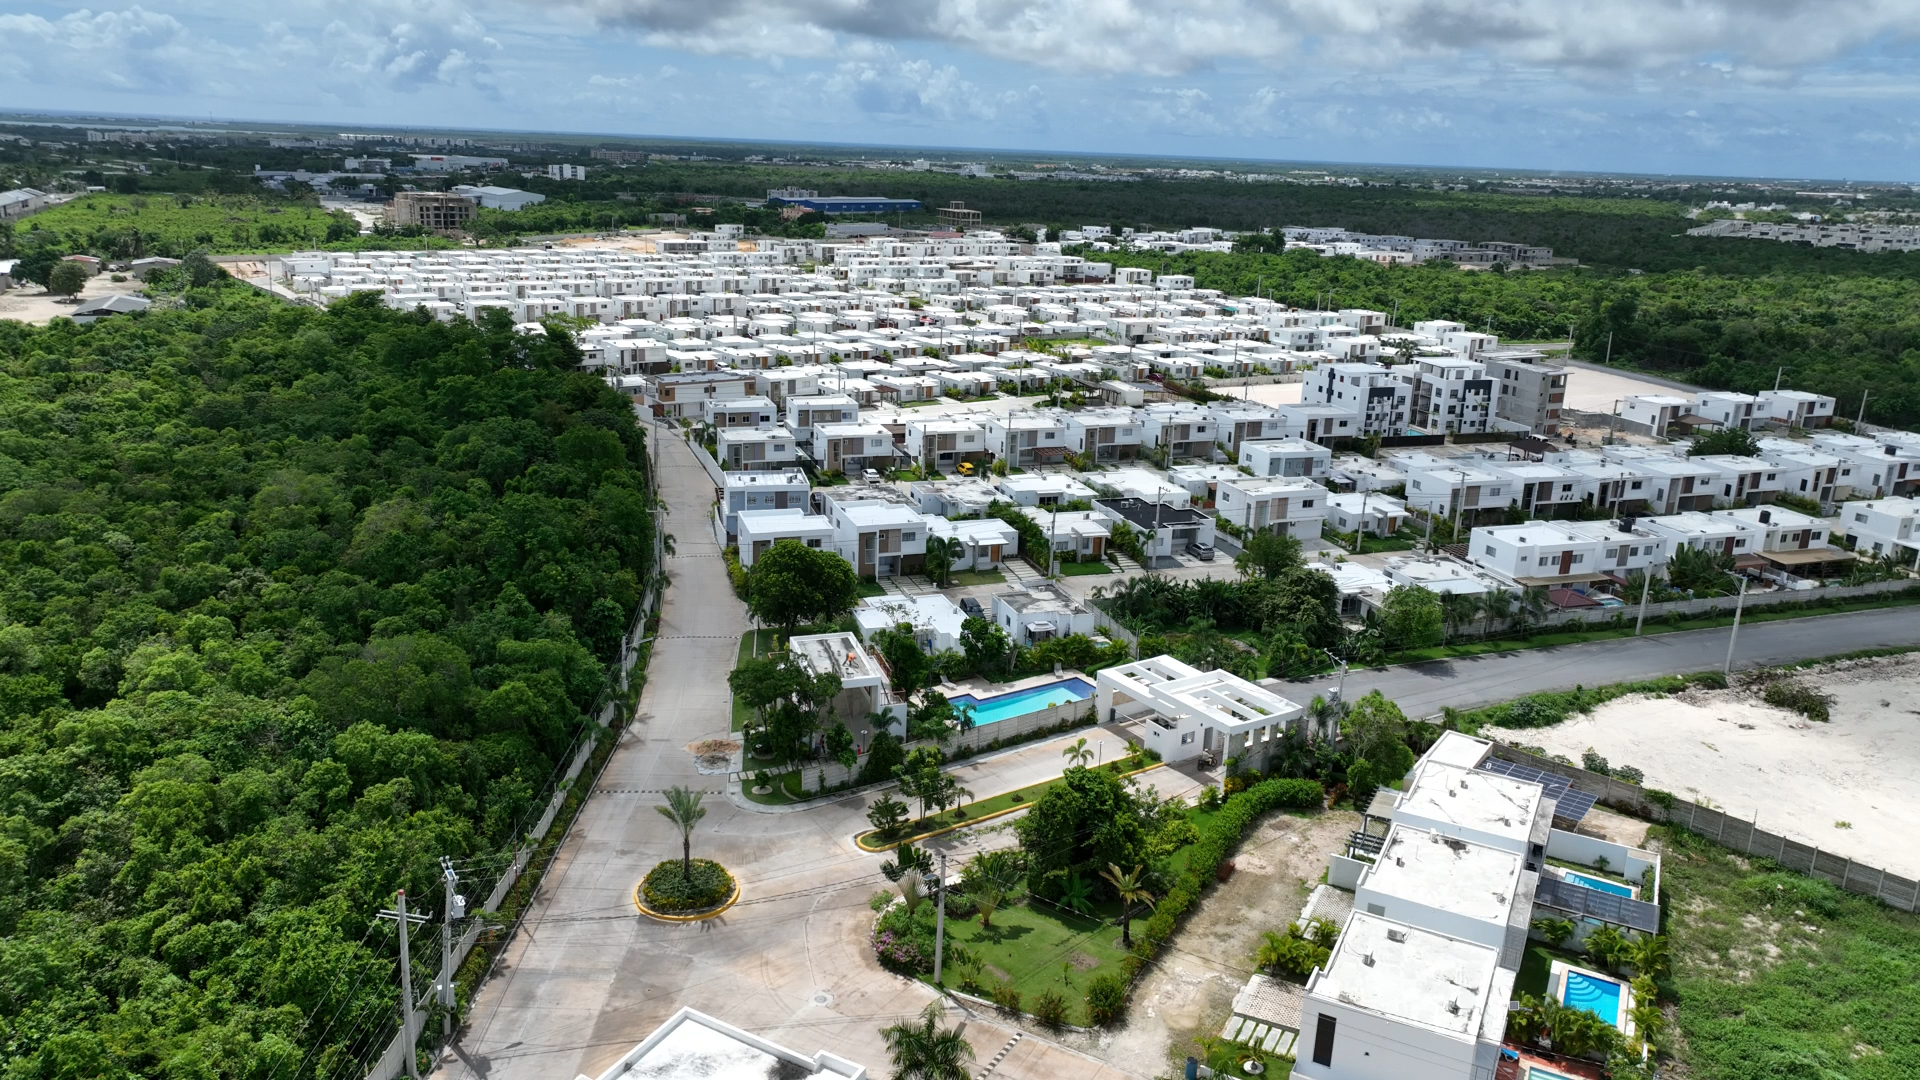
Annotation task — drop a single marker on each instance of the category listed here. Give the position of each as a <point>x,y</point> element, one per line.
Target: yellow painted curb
<point>859,840</point>
<point>701,917</point>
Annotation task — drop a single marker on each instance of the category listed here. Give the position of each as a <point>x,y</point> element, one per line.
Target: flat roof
<point>1411,975</point>
<point>1485,803</point>
<point>1146,515</point>
<point>839,653</point>
<point>1446,873</point>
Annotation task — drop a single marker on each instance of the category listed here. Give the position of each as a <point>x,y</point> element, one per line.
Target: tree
<point>791,584</point>
<point>67,278</point>
<point>1128,887</point>
<point>761,683</point>
<point>1736,442</point>
<point>201,271</point>
<point>1268,555</point>
<point>1496,607</point>
<point>1701,572</point>
<point>684,810</point>
<point>1410,618</point>
<point>986,645</point>
<point>1306,602</point>
<point>1458,610</point>
<point>1078,755</point>
<point>1531,609</point>
<point>927,1051</point>
<point>1375,730</point>
<point>940,557</point>
<point>884,752</point>
<point>907,664</point>
<point>907,862</point>
<point>887,814</point>
<point>921,778</point>
<point>1089,819</point>
<point>840,743</point>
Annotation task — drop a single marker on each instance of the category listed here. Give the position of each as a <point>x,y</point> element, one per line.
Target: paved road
<point>1421,689</point>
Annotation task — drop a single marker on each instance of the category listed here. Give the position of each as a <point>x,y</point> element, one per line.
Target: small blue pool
<point>989,710</point>
<point>1600,884</point>
<point>1601,997</point>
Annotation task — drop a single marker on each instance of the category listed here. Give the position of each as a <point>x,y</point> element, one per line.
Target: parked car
<point>1203,552</point>
<point>871,476</point>
<point>972,607</point>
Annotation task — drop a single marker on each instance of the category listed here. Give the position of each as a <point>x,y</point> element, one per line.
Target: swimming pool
<point>988,710</point>
<point>1600,884</point>
<point>1535,1072</point>
<point>1601,997</point>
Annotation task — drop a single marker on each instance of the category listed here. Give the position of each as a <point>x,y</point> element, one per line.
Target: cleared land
<point>1800,778</point>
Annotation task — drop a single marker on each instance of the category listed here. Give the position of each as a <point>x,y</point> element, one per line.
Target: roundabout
<point>670,894</point>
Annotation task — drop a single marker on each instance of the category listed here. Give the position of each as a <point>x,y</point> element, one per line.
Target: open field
<point>35,306</point>
<point>1596,391</point>
<point>1797,777</point>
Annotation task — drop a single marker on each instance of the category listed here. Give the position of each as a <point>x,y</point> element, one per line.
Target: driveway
<point>588,978</point>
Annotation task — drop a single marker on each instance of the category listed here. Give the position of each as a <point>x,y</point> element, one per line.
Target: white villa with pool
<point>1189,713</point>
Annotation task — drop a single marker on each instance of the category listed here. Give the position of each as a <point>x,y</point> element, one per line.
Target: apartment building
<point>436,211</point>
<point>1528,390</point>
<point>1450,394</point>
<point>1381,402</point>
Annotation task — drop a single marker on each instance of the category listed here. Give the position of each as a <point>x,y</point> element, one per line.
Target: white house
<point>1040,611</point>
<point>1235,422</point>
<point>1700,531</point>
<point>691,1043</point>
<point>1189,713</point>
<point>936,620</point>
<point>767,489</point>
<point>757,530</point>
<point>1352,511</point>
<point>756,447</point>
<point>749,412</point>
<point>1652,414</point>
<point>1796,408</point>
<point>1080,533</point>
<point>880,537</point>
<point>984,542</point>
<point>1164,531</point>
<point>1883,526</point>
<point>1536,553</point>
<point>954,498</point>
<point>1027,437</point>
<point>1462,889</point>
<point>850,448</point>
<point>1114,433</point>
<point>1181,430</point>
<point>1045,489</point>
<point>1289,506</point>
<point>1286,457</point>
<point>804,413</point>
<point>1451,487</point>
<point>940,443</point>
<point>1144,484</point>
<point>1726,409</point>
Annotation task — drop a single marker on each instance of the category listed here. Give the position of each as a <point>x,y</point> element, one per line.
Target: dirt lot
<point>1190,992</point>
<point>33,305</point>
<point>1850,786</point>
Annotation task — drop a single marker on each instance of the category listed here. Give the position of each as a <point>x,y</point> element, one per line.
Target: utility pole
<point>1735,636</point>
<point>1862,418</point>
<point>456,909</point>
<point>1609,358</point>
<point>940,919</point>
<point>398,913</point>
<point>1777,372</point>
<point>1646,581</point>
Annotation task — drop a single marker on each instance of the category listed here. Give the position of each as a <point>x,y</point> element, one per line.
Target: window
<point>909,536</point>
<point>1489,549</point>
<point>1580,557</point>
<point>1376,909</point>
<point>1859,517</point>
<point>1610,553</point>
<point>1636,485</point>
<point>1186,737</point>
<point>1306,504</point>
<point>1323,1041</point>
<point>1546,560</point>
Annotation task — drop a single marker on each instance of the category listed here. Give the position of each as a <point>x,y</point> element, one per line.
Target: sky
<point>1792,88</point>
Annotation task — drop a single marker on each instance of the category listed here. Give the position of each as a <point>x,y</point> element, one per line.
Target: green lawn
<point>1038,948</point>
<point>1081,569</point>
<point>973,811</point>
<point>973,579</point>
<point>870,587</point>
<point>1780,975</point>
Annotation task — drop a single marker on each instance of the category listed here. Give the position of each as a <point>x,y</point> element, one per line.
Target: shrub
<point>1788,694</point>
<point>736,574</point>
<point>1209,798</point>
<point>1593,762</point>
<point>1628,773</point>
<point>903,941</point>
<point>1050,1009</point>
<point>668,890</point>
<point>1106,999</point>
<point>1006,996</point>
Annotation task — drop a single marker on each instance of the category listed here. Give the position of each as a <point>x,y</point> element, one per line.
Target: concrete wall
<point>1730,832</point>
<point>1626,861</point>
<point>1724,605</point>
<point>1344,873</point>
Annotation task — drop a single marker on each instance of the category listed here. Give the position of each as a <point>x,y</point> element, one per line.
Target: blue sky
<point>1793,88</point>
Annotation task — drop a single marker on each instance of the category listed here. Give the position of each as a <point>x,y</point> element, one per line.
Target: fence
<point>1744,837</point>
<point>1724,605</point>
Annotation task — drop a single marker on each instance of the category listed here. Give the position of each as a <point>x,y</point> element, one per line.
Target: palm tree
<point>1496,607</point>
<point>1078,755</point>
<point>684,810</point>
<point>1532,608</point>
<point>1132,891</point>
<point>939,559</point>
<point>927,1051</point>
<point>986,897</point>
<point>1648,955</point>
<point>1458,610</point>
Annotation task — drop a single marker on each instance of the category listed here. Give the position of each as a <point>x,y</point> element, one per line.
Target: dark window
<point>1323,1041</point>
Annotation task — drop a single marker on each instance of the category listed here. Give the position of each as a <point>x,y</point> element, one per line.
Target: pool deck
<point>1557,989</point>
<point>981,688</point>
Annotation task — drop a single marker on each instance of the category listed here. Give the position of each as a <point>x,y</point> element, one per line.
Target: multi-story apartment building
<point>1528,390</point>
<point>1451,394</point>
<point>1382,403</point>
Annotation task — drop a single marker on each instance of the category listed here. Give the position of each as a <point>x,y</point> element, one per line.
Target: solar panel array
<point>1563,895</point>
<point>1569,802</point>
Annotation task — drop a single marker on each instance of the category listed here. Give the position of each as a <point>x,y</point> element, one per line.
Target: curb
<point>970,822</point>
<point>657,916</point>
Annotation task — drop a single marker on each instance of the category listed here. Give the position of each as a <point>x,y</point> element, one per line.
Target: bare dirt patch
<point>713,756</point>
<point>1851,785</point>
<point>35,306</point>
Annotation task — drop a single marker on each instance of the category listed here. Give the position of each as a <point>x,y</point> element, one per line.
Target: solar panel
<point>1569,802</point>
<point>1562,895</point>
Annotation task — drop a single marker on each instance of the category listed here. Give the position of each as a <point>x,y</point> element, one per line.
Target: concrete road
<point>1421,689</point>
<point>588,977</point>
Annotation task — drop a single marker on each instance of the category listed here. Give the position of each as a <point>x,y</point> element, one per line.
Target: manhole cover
<point>822,999</point>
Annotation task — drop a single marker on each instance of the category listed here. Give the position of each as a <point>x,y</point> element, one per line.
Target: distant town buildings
<point>439,211</point>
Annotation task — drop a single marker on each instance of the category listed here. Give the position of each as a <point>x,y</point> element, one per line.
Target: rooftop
<point>838,653</point>
<point>1412,975</point>
<point>693,1044</point>
<point>1142,514</point>
<point>1444,872</point>
<point>1449,794</point>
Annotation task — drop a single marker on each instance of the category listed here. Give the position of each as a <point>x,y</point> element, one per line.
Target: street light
<point>1738,606</point>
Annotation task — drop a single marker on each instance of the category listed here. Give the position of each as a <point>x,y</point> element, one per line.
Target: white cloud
<point>1761,37</point>
<point>132,49</point>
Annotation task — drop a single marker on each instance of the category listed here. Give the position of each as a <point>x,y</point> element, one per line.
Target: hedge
<point>1221,836</point>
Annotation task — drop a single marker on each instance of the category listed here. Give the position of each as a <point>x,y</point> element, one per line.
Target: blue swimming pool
<point>1600,884</point>
<point>988,710</point>
<point>1601,997</point>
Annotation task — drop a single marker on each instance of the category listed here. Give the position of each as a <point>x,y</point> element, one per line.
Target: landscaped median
<point>974,813</point>
<point>673,891</point>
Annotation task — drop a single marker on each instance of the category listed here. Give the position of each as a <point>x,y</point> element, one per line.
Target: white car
<point>871,476</point>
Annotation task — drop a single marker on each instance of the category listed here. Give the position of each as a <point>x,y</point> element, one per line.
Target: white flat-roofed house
<point>749,412</point>
<point>757,530</point>
<point>850,448</point>
<point>1652,414</point>
<point>691,1043</point>
<point>1395,1002</point>
<point>1796,408</point>
<point>1478,807</point>
<point>1235,422</point>
<point>1320,422</point>
<point>766,447</point>
<point>1164,530</point>
<point>804,413</point>
<point>1883,527</point>
<point>1788,540</point>
<point>1286,457</point>
<point>1626,545</point>
<point>1621,487</point>
<point>1181,430</point>
<point>685,394</point>
<point>1540,487</point>
<point>1189,713</point>
<point>1808,471</point>
<point>864,684</point>
<point>1445,574</point>
<point>1450,487</point>
<point>1679,484</point>
<point>935,620</point>
<point>1144,484</point>
<point>1700,531</point>
<point>1115,433</point>
<point>790,382</point>
<point>1726,409</point>
<point>954,498</point>
<point>1080,533</point>
<point>984,543</point>
<point>1536,553</point>
<point>770,489</point>
<point>940,444</point>
<point>902,387</point>
<point>880,537</point>
<point>1288,506</point>
<point>1454,886</point>
<point>1201,481</point>
<point>1743,479</point>
<point>1041,611</point>
<point>1377,514</point>
<point>1027,437</point>
<point>1044,489</point>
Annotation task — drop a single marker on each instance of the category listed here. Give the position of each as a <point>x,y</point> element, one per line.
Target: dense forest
<point>292,604</point>
<point>1837,334</point>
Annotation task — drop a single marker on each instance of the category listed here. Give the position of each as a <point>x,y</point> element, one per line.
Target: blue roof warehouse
<point>841,204</point>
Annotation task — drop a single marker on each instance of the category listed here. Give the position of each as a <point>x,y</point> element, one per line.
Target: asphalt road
<point>1421,689</point>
